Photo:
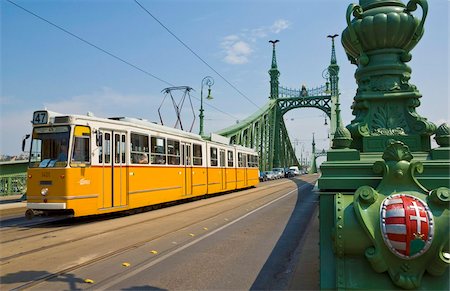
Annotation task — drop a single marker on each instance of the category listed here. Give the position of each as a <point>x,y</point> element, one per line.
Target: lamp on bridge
<point>209,81</point>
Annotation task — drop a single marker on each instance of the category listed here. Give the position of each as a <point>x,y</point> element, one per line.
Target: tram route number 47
<point>40,117</point>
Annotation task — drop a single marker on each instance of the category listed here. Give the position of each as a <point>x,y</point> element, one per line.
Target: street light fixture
<point>209,81</point>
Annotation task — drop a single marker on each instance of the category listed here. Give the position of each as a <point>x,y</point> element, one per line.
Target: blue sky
<point>43,67</point>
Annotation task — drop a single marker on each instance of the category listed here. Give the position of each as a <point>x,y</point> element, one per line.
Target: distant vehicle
<point>279,172</point>
<point>295,169</point>
<point>289,173</point>
<point>270,175</point>
<point>262,177</point>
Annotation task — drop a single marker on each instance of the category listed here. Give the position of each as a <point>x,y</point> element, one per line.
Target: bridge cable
<point>111,54</point>
<point>195,54</point>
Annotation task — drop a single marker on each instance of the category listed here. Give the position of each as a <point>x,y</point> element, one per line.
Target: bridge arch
<point>266,131</point>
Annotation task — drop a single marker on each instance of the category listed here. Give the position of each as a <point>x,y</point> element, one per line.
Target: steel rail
<point>18,255</point>
<point>143,242</point>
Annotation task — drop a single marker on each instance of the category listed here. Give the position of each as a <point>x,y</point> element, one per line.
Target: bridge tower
<point>266,131</point>
<point>274,73</point>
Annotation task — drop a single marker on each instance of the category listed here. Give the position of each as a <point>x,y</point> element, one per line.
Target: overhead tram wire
<point>195,54</point>
<point>111,54</point>
<point>90,43</point>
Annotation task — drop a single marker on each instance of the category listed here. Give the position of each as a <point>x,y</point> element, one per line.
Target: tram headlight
<point>44,191</point>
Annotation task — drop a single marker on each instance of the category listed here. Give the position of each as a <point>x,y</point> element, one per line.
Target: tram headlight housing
<point>44,191</point>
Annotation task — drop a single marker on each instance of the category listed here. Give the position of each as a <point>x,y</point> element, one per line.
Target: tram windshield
<point>49,147</point>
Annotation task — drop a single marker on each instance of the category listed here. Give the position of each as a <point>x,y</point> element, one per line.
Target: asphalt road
<point>256,239</point>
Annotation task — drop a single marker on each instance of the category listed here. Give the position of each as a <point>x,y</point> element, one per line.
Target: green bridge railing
<point>13,177</point>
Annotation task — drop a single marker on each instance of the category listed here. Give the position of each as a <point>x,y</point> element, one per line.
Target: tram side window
<point>81,145</point>
<point>230,159</point>
<point>107,148</point>
<point>253,161</point>
<point>250,161</point>
<point>198,160</point>
<point>139,149</point>
<point>123,148</point>
<point>222,158</point>
<point>100,148</point>
<point>173,152</point>
<point>158,155</point>
<point>117,148</point>
<point>242,160</point>
<point>213,157</point>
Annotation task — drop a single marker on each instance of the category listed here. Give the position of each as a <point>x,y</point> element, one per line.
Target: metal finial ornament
<point>273,42</point>
<point>333,50</point>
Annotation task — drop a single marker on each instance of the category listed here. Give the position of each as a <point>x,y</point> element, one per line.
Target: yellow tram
<point>86,165</point>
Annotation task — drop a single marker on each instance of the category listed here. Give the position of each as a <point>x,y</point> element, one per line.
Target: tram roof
<point>139,123</point>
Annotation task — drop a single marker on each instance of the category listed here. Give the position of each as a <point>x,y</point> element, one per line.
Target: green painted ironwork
<point>13,177</point>
<point>266,131</point>
<point>384,193</point>
<point>385,103</point>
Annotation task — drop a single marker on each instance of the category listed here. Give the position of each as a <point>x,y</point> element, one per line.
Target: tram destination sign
<point>40,117</point>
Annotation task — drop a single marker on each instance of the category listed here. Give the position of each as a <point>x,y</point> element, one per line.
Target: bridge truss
<point>265,130</point>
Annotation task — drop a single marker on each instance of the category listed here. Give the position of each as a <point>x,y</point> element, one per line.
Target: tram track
<point>135,245</point>
<point>111,216</point>
<point>273,188</point>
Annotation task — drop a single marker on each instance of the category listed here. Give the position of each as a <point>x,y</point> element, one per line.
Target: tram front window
<point>49,147</point>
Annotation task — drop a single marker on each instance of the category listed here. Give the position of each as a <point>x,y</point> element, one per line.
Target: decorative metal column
<point>379,41</point>
<point>384,193</point>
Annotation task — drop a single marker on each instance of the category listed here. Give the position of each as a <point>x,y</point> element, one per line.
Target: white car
<point>279,172</point>
<point>270,175</point>
<point>295,169</point>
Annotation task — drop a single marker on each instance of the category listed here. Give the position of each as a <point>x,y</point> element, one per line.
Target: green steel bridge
<point>264,130</point>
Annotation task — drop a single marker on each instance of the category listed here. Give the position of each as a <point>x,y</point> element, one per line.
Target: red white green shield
<point>406,225</point>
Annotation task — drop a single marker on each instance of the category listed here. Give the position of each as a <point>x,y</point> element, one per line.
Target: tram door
<point>112,160</point>
<point>186,153</point>
<point>223,171</point>
<point>119,170</point>
<point>104,158</point>
<point>245,161</point>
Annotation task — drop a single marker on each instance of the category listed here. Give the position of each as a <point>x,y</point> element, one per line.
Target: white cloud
<point>237,51</point>
<point>238,48</point>
<point>279,26</point>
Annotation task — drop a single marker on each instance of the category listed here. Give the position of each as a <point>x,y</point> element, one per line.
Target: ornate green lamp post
<point>208,81</point>
<point>384,193</point>
<point>379,41</point>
